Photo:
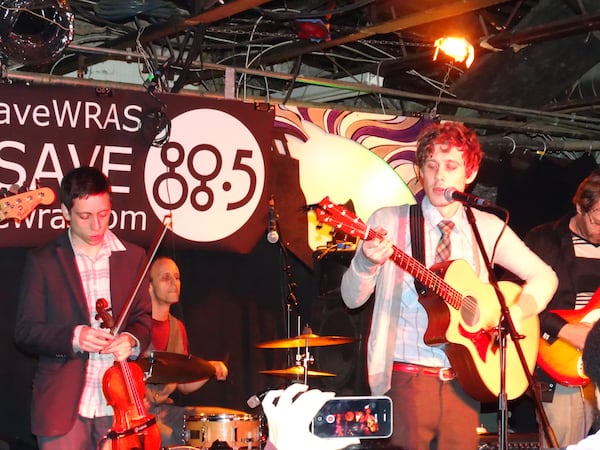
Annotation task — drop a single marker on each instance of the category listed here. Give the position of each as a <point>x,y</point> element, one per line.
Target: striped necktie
<point>444,248</point>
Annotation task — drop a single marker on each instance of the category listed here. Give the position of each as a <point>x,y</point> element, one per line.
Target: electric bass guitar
<point>560,359</point>
<point>463,315</point>
<point>19,206</point>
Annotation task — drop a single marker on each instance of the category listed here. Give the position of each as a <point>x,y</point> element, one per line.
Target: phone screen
<point>362,417</point>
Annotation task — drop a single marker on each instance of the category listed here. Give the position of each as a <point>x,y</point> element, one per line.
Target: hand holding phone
<point>289,414</point>
<point>361,417</point>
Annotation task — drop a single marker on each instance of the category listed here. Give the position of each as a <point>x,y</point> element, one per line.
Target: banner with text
<point>210,174</point>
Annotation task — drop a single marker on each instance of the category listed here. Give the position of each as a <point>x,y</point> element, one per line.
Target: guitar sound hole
<point>469,311</point>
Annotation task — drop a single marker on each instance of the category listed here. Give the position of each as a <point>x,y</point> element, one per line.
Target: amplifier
<point>531,441</point>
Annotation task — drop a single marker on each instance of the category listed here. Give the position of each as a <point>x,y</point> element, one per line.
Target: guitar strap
<point>417,241</point>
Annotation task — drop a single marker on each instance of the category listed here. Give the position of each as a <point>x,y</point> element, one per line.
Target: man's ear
<point>418,174</point>
<point>472,176</point>
<point>65,212</point>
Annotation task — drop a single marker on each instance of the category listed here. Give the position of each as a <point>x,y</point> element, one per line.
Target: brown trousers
<point>430,414</point>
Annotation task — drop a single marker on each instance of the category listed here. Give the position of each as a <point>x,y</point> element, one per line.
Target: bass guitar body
<point>560,359</point>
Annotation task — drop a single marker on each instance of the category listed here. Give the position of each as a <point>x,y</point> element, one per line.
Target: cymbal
<point>306,340</point>
<point>167,367</point>
<point>296,371</point>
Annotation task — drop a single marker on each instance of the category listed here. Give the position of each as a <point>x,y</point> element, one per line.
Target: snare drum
<point>239,431</point>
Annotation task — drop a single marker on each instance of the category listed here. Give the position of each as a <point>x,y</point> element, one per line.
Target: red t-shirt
<point>160,335</point>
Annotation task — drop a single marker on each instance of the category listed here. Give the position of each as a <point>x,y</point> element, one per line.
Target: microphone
<point>257,398</point>
<point>451,194</point>
<point>272,232</point>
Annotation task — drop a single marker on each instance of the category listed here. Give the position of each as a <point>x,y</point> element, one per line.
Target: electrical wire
<point>35,14</point>
<point>243,77</point>
<point>119,10</point>
<point>272,14</point>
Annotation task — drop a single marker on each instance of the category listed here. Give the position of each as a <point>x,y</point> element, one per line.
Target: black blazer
<point>51,304</point>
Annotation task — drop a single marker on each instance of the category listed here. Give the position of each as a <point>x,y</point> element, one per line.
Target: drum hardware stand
<point>304,360</point>
<point>149,372</point>
<point>303,337</point>
<point>507,328</point>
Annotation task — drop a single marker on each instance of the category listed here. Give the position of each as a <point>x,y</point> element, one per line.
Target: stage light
<point>35,31</point>
<point>457,48</point>
<point>315,30</point>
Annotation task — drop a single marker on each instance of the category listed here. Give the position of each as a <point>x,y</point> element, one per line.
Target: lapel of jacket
<point>118,290</point>
<point>66,259</point>
<point>123,280</point>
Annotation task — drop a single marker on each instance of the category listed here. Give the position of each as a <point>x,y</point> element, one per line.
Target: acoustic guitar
<point>560,359</point>
<point>463,315</point>
<point>19,206</point>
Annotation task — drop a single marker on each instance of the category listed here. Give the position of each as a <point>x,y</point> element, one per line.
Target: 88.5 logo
<point>209,176</point>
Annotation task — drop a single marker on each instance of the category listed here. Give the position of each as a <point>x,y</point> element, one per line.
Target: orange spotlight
<point>456,48</point>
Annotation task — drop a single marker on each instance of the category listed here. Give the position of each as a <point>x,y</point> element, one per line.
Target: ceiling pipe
<point>162,30</point>
<point>441,10</point>
<point>521,143</point>
<point>492,145</point>
<point>562,123</point>
<point>555,124</point>
<point>553,30</point>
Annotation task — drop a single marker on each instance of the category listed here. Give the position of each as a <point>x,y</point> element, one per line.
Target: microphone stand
<point>290,286</point>
<point>506,328</point>
<point>292,303</point>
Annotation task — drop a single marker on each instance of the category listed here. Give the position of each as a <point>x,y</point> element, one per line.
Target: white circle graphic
<point>209,176</point>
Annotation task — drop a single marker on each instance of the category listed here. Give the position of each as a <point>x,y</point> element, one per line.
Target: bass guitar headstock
<point>19,206</point>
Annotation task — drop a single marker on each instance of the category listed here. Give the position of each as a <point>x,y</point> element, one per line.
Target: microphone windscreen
<point>253,401</point>
<point>448,194</point>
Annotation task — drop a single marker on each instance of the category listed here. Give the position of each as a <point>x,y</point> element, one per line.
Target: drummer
<point>169,334</point>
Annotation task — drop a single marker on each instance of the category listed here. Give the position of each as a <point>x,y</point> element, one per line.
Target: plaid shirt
<point>95,278</point>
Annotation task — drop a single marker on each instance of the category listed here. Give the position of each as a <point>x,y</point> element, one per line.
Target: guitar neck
<point>341,218</point>
<point>428,278</point>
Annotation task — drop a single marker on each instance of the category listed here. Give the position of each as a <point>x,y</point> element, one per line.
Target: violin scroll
<point>102,313</point>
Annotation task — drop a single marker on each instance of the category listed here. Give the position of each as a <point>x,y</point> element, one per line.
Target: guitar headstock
<point>19,206</point>
<point>341,218</point>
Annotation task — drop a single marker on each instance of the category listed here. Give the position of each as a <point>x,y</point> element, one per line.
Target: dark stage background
<point>231,302</point>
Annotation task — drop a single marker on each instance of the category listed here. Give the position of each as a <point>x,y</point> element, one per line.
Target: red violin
<point>123,387</point>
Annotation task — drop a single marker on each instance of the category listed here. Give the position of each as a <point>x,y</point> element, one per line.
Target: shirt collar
<point>110,243</point>
<point>433,216</point>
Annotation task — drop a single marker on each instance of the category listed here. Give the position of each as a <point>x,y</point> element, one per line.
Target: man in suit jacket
<point>57,320</point>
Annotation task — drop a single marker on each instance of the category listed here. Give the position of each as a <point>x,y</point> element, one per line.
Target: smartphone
<point>361,417</point>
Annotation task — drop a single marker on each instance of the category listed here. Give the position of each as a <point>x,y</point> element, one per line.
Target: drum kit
<point>211,428</point>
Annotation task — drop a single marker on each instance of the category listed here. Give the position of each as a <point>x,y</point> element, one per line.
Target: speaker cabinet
<point>331,317</point>
<point>489,441</point>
